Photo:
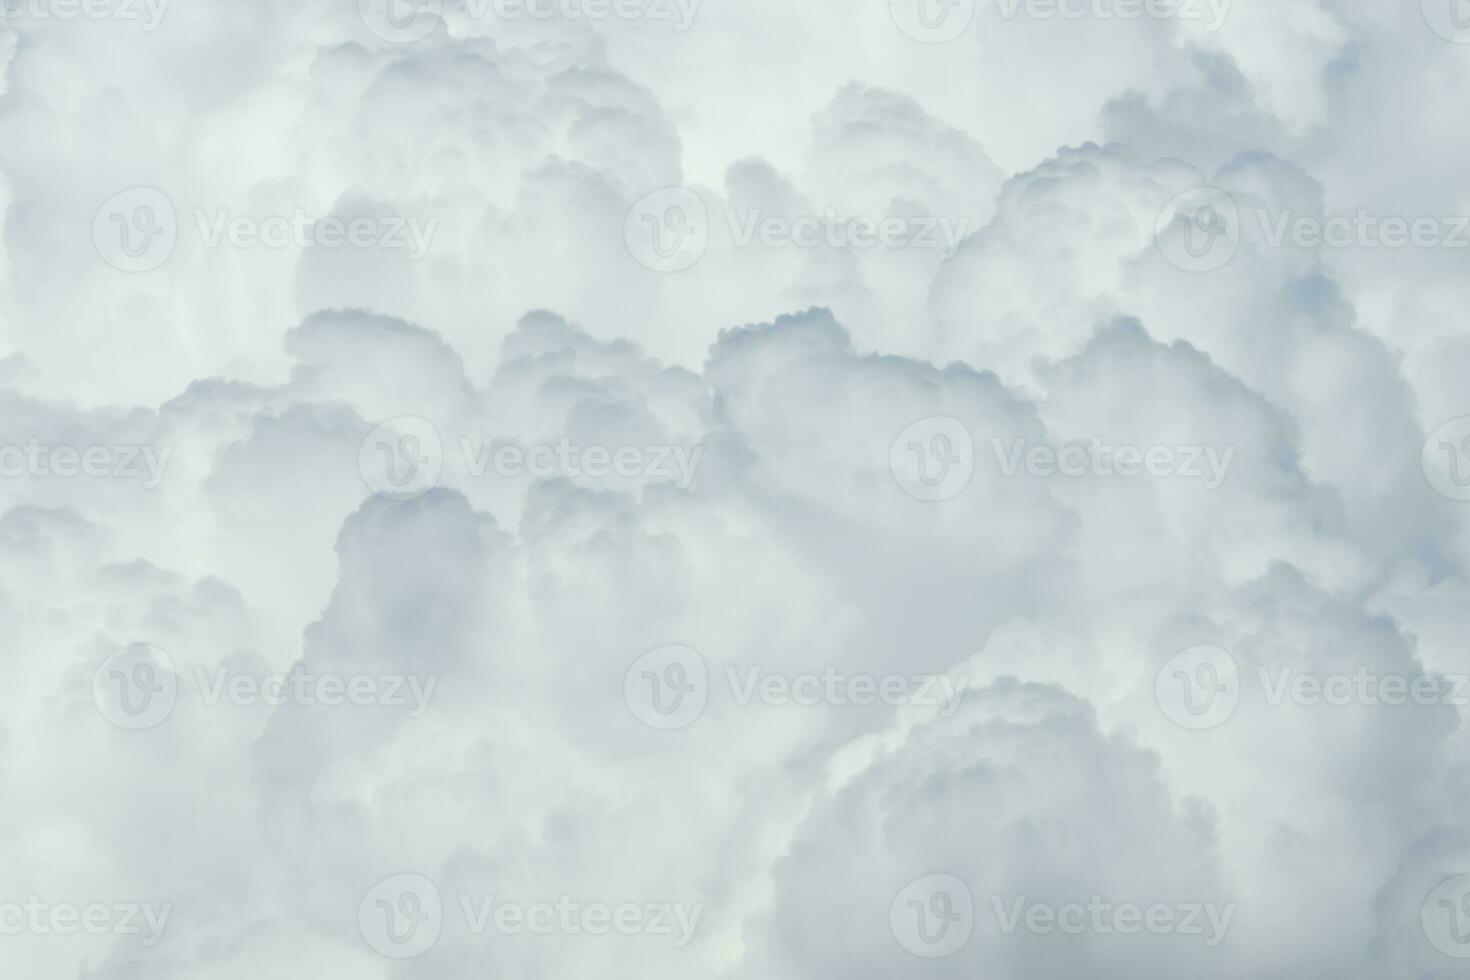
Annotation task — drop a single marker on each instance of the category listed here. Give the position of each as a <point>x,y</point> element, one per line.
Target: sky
<point>659,488</point>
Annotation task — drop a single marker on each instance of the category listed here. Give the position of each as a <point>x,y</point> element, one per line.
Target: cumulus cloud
<point>697,488</point>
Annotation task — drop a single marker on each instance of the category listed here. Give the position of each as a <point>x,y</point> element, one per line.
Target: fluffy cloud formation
<point>725,494</point>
